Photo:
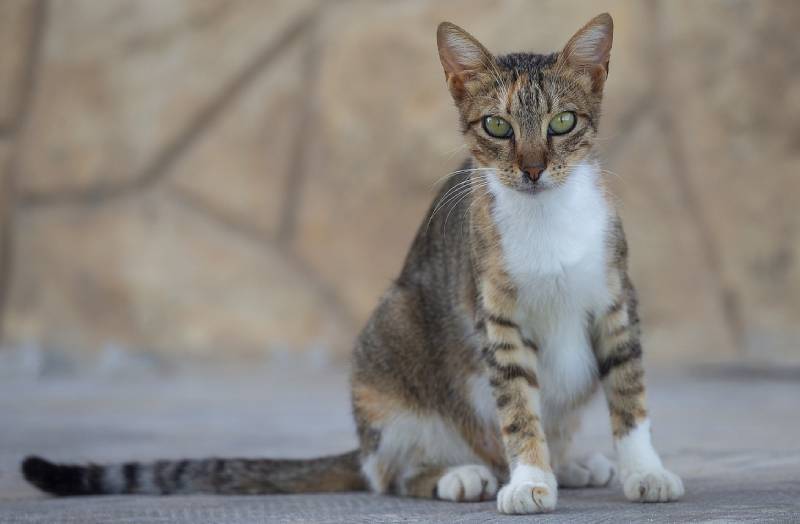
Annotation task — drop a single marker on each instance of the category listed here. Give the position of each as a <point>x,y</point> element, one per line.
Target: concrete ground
<point>733,435</point>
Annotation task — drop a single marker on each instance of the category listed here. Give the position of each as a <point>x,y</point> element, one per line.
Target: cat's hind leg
<point>421,456</point>
<point>576,471</point>
<point>408,453</point>
<point>594,470</point>
<point>461,483</point>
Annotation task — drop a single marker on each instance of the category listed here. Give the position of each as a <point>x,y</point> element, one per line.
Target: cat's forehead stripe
<point>532,92</point>
<point>515,87</point>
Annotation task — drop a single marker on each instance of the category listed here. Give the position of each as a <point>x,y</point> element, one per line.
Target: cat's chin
<point>533,190</point>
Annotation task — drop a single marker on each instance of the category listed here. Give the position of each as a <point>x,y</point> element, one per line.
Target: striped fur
<point>223,476</point>
<point>513,306</point>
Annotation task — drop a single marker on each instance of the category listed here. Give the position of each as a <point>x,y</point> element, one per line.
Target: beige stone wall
<point>209,177</point>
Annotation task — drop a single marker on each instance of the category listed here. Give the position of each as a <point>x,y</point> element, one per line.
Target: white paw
<point>535,494</point>
<point>467,484</point>
<point>652,485</point>
<point>594,470</point>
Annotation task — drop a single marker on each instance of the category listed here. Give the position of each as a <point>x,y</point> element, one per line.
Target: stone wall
<point>242,178</point>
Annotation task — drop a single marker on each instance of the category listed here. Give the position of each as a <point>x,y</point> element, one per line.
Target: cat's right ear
<point>462,56</point>
<point>589,49</point>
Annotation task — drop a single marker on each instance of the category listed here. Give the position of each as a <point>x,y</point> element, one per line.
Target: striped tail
<point>221,476</point>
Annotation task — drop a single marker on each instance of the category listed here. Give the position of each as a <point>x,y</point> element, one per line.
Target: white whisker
<point>470,170</point>
<point>453,194</point>
<point>471,189</point>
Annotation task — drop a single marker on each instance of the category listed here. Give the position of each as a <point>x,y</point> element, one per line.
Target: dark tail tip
<point>36,469</point>
<point>55,478</point>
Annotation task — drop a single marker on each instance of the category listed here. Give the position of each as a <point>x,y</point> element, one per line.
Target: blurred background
<point>201,201</point>
<point>237,180</point>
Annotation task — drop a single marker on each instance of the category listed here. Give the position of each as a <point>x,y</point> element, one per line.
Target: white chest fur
<point>554,245</point>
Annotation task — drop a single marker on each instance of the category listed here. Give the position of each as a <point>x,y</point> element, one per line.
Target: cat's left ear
<point>589,50</point>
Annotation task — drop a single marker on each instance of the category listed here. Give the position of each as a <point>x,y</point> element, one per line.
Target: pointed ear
<point>462,56</point>
<point>589,49</point>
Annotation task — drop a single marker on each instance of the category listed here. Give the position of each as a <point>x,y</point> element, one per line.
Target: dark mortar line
<point>298,163</point>
<point>254,235</point>
<point>29,84</point>
<point>159,168</point>
<point>9,129</point>
<point>726,295</point>
<point>29,76</point>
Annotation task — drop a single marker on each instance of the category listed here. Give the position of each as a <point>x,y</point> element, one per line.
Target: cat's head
<point>530,117</point>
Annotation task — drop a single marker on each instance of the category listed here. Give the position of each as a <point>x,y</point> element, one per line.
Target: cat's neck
<point>556,228</point>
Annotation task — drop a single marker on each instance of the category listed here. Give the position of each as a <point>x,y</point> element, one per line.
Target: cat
<point>513,306</point>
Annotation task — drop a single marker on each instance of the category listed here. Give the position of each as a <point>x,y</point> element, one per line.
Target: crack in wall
<point>726,296</point>
<point>298,160</point>
<point>255,236</point>
<point>160,167</point>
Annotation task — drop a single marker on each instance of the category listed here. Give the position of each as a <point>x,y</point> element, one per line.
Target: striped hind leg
<point>417,472</point>
<point>409,453</point>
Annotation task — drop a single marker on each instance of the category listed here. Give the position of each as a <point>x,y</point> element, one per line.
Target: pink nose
<point>534,172</point>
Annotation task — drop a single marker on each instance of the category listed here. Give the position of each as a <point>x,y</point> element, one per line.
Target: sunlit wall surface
<point>239,179</point>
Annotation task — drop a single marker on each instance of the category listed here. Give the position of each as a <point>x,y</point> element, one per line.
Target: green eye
<point>497,127</point>
<point>562,123</point>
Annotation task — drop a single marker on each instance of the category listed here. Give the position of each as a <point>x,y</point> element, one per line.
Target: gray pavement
<point>733,434</point>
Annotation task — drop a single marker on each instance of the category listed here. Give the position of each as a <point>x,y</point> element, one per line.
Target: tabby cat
<point>513,305</point>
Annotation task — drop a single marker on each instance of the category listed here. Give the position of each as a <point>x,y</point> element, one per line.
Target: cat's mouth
<point>525,185</point>
<point>522,184</point>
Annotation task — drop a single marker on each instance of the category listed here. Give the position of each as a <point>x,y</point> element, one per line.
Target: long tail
<point>223,476</point>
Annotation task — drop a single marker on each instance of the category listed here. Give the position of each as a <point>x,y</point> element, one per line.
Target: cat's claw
<point>654,485</point>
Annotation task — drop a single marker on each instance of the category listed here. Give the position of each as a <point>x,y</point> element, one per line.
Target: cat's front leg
<point>511,363</point>
<point>619,354</point>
